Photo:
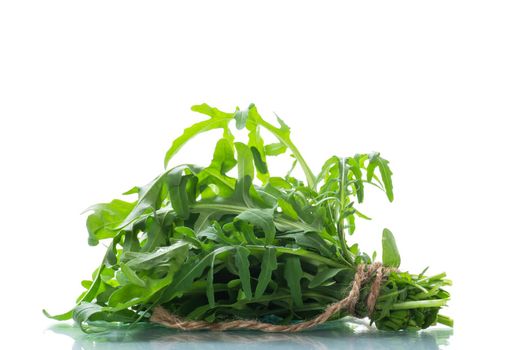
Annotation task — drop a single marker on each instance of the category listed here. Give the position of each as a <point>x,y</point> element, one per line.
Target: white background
<point>92,94</point>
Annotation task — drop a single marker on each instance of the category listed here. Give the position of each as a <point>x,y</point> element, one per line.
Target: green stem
<point>416,304</point>
<point>445,320</point>
<point>341,219</point>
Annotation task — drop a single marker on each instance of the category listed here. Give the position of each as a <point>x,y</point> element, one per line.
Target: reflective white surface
<point>337,337</point>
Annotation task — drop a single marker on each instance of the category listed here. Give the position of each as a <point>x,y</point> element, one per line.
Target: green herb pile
<point>230,241</point>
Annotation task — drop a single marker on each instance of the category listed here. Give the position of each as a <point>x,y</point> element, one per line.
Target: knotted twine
<point>363,273</point>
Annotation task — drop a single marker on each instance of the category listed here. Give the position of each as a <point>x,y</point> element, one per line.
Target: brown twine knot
<point>364,272</point>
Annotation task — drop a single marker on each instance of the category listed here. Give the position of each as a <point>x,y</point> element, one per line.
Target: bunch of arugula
<point>208,245</point>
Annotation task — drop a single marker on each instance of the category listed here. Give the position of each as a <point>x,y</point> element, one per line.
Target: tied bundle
<point>229,246</point>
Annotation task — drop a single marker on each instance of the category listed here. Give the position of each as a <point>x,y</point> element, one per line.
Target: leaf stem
<point>341,217</point>
<point>416,304</point>
<point>445,320</point>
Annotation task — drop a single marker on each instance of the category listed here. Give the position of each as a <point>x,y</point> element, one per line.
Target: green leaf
<point>386,174</point>
<point>243,265</point>
<point>218,120</point>
<point>274,149</point>
<point>189,272</point>
<point>323,275</point>
<point>282,133</point>
<point>390,253</point>
<point>84,311</point>
<point>220,185</point>
<point>155,235</point>
<point>149,197</point>
<point>241,117</point>
<point>132,276</point>
<point>180,196</point>
<point>105,219</point>
<point>245,161</point>
<point>128,295</point>
<point>355,175</point>
<point>293,274</point>
<point>256,144</point>
<point>260,163</point>
<point>269,264</point>
<point>262,218</point>
<point>223,156</point>
<point>176,253</point>
<point>312,240</point>
<point>61,317</point>
<point>287,209</point>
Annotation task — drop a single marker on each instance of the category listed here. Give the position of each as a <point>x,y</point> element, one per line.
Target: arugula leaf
<point>149,198</point>
<point>146,261</point>
<point>390,253</point>
<point>262,218</point>
<point>180,197</point>
<point>274,149</point>
<point>132,275</point>
<point>293,274</point>
<point>322,276</point>
<point>269,264</point>
<point>103,222</point>
<point>218,120</point>
<point>386,174</point>
<point>189,272</point>
<point>243,265</point>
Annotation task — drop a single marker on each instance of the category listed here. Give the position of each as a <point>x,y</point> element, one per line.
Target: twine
<point>364,272</point>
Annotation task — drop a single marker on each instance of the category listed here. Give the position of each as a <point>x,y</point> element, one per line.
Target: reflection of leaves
<point>331,335</point>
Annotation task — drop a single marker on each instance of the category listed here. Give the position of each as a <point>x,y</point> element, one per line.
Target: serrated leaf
<point>355,175</point>
<point>218,120</point>
<point>386,174</point>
